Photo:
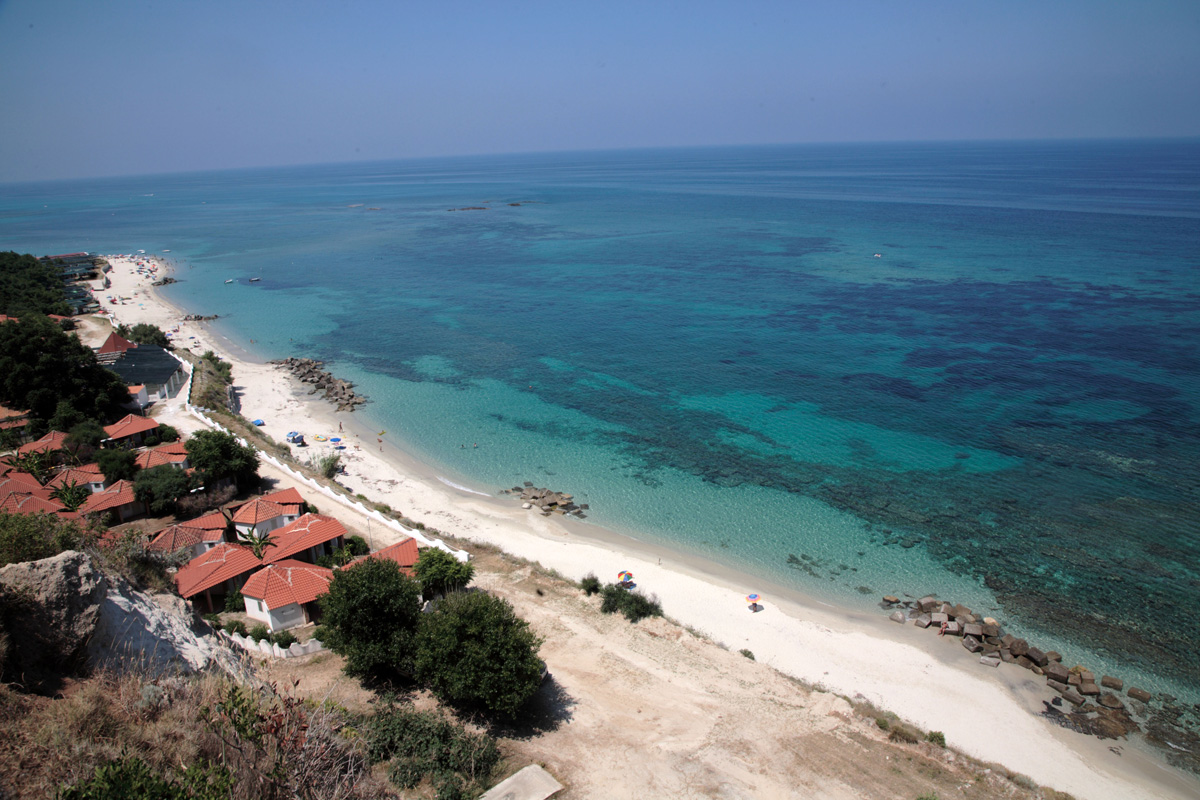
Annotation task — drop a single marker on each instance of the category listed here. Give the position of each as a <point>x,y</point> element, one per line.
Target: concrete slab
<point>531,783</point>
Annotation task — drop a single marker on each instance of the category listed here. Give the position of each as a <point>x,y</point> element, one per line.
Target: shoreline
<point>989,714</point>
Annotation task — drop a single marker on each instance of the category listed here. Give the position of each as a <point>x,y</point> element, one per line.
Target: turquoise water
<point>1000,407</point>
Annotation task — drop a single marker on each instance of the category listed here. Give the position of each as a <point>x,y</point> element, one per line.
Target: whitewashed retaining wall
<point>461,555</point>
<point>266,648</point>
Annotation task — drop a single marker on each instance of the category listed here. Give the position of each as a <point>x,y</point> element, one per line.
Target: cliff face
<point>63,616</point>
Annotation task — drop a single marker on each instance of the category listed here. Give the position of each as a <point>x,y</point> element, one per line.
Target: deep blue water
<point>1001,407</point>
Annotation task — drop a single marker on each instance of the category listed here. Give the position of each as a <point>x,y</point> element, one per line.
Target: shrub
<point>29,537</point>
<point>235,626</point>
<point>214,621</point>
<point>284,639</point>
<point>319,633</point>
<point>424,743</point>
<point>371,613</point>
<point>130,778</point>
<point>474,650</point>
<point>260,632</point>
<point>936,737</point>
<point>590,584</point>
<point>357,545</point>
<point>439,572</point>
<point>903,733</point>
<point>883,723</point>
<point>328,465</point>
<point>235,602</point>
<point>747,653</point>
<point>634,605</point>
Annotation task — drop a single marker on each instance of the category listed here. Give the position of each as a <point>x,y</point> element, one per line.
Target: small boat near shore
<point>255,280</point>
<point>229,280</point>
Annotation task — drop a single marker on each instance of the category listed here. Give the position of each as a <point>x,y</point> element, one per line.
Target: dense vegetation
<point>144,333</point>
<point>55,376</point>
<point>216,455</point>
<point>439,572</point>
<point>28,287</point>
<point>472,650</point>
<point>29,537</point>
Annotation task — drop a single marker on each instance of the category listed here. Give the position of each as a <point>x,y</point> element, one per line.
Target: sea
<point>969,369</point>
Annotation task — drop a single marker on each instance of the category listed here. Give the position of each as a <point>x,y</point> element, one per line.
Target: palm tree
<point>71,495</point>
<point>36,463</point>
<point>258,542</point>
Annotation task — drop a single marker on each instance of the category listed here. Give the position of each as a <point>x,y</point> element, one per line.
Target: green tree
<point>145,333</point>
<point>160,487</point>
<point>117,465</point>
<point>41,366</point>
<point>71,495</point>
<point>474,650</point>
<point>370,616</point>
<point>29,287</point>
<point>258,541</point>
<point>439,572</point>
<point>216,455</point>
<point>88,433</point>
<point>66,417</point>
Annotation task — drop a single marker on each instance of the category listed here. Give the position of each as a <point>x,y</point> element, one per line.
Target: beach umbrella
<point>753,598</point>
<point>335,439</point>
<point>624,576</point>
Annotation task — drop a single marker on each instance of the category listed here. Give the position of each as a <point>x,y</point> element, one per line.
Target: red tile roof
<point>308,531</point>
<point>289,498</point>
<point>11,418</point>
<point>88,473</point>
<point>177,537</point>
<point>157,457</point>
<point>130,425</point>
<point>257,511</point>
<point>173,448</point>
<point>403,553</point>
<point>119,494</point>
<point>18,503</point>
<point>22,483</point>
<point>115,344</point>
<point>52,441</point>
<point>289,581</point>
<point>214,521</point>
<point>214,567</point>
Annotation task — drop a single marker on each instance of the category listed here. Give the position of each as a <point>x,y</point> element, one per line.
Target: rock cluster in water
<point>1091,709</point>
<point>337,391</point>
<point>200,317</point>
<point>547,501</point>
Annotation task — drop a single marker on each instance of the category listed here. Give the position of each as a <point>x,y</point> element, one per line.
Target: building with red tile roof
<point>22,483</point>
<point>213,521</point>
<point>403,553</point>
<point>262,515</point>
<point>117,499</point>
<point>289,498</point>
<point>113,346</point>
<point>52,442</point>
<point>88,475</point>
<point>130,429</point>
<point>307,539</point>
<point>18,503</point>
<point>214,574</point>
<point>284,594</point>
<point>167,455</point>
<point>182,536</point>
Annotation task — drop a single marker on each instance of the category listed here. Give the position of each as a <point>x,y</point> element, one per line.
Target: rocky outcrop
<point>339,392</point>
<point>547,501</point>
<point>63,616</point>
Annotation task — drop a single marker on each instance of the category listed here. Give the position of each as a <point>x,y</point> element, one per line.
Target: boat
<point>255,280</point>
<point>229,281</point>
<point>166,251</point>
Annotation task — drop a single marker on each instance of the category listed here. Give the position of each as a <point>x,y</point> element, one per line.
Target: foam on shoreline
<point>988,713</point>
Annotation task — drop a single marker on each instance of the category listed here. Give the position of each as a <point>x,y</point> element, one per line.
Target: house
<point>261,516</point>
<point>20,503</point>
<point>88,475</point>
<point>130,430</point>
<point>153,367</point>
<point>51,444</point>
<point>182,536</point>
<point>307,539</point>
<point>290,499</point>
<point>22,483</point>
<point>173,454</point>
<point>117,499</point>
<point>403,553</point>
<point>216,573</point>
<point>214,524</point>
<point>284,594</point>
<point>113,348</point>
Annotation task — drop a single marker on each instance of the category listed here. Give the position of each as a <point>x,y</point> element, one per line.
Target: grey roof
<point>145,364</point>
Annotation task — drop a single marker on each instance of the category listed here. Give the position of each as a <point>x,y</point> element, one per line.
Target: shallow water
<point>1000,407</point>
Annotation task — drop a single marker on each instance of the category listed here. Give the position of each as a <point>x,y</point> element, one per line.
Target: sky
<point>122,87</point>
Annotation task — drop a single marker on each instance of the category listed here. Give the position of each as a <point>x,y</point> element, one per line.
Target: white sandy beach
<point>989,713</point>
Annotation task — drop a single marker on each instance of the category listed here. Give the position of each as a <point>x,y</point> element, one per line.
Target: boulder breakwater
<point>1104,707</point>
<point>547,501</point>
<point>339,392</point>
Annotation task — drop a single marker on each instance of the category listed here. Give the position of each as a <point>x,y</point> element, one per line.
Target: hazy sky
<point>119,87</point>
